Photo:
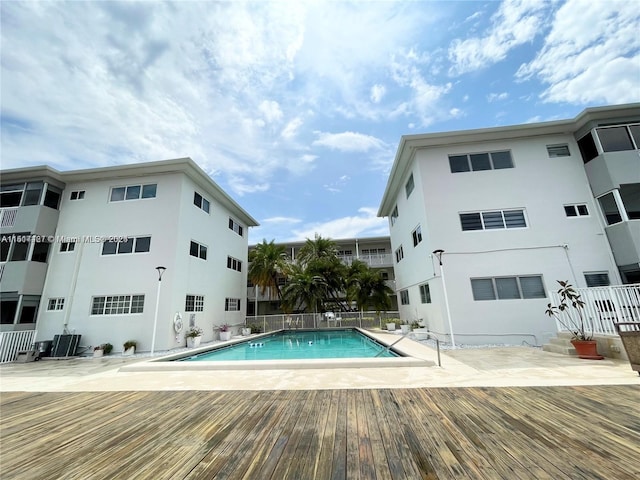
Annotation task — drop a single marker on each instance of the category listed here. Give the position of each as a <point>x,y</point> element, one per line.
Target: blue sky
<point>296,108</point>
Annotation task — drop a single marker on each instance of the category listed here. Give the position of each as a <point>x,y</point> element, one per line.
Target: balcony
<point>377,260</point>
<point>8,216</point>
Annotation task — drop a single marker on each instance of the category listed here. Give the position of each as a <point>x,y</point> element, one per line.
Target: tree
<point>304,290</point>
<point>268,261</point>
<point>367,287</point>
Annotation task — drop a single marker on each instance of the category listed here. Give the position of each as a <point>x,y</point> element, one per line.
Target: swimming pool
<point>303,344</point>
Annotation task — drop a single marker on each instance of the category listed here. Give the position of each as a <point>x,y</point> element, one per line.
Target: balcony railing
<point>604,306</point>
<point>13,342</point>
<point>8,217</point>
<point>377,260</point>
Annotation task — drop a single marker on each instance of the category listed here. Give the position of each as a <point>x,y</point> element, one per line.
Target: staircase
<point>560,344</point>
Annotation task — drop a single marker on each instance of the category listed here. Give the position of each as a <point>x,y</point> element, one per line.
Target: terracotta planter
<point>587,349</point>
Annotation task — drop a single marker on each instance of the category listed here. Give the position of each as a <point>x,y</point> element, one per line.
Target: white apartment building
<point>112,227</point>
<point>374,251</point>
<point>509,211</point>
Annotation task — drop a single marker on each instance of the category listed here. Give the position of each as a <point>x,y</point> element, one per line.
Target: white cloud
<point>271,110</point>
<point>582,62</point>
<point>348,142</point>
<point>377,92</point>
<point>364,224</point>
<point>493,97</point>
<point>338,185</point>
<point>516,22</point>
<point>292,128</point>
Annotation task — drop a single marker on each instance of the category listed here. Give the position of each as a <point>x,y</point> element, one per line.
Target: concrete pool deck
<point>490,367</point>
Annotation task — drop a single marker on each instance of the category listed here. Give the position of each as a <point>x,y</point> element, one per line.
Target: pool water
<point>291,345</point>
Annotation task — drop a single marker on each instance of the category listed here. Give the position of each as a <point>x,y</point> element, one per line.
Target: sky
<point>296,108</point>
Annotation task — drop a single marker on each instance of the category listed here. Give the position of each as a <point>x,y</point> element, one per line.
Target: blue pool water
<point>290,345</point>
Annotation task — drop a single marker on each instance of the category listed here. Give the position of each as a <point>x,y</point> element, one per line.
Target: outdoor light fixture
<point>155,319</point>
<point>438,253</point>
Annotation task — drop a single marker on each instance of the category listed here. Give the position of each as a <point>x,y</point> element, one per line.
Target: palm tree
<point>319,248</point>
<point>367,287</point>
<point>268,261</point>
<point>304,290</point>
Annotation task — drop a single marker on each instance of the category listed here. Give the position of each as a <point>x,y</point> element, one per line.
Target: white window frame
<point>133,248</point>
<point>140,197</point>
<point>558,150</point>
<point>394,215</point>
<point>234,264</point>
<point>399,254</point>
<point>124,303</point>
<point>576,210</point>
<point>67,247</point>
<point>416,235</point>
<point>232,304</point>
<point>410,186</point>
<point>589,283</point>
<point>425,293</point>
<point>519,286</point>
<point>236,227</point>
<point>504,222</point>
<point>194,303</point>
<point>77,195</point>
<point>202,203</point>
<point>55,304</point>
<point>470,164</point>
<point>200,247</point>
<point>404,297</point>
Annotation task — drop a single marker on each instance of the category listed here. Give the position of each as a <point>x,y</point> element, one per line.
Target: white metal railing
<point>377,259</point>
<point>2,269</point>
<point>8,217</point>
<point>603,307</point>
<point>268,323</point>
<point>13,342</point>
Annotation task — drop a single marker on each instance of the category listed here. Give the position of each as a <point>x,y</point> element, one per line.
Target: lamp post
<point>438,254</point>
<point>155,319</point>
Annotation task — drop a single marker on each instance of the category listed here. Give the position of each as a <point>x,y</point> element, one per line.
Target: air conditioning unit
<point>65,345</point>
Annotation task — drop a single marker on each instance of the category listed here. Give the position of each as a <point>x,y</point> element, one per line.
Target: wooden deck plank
<point>502,433</point>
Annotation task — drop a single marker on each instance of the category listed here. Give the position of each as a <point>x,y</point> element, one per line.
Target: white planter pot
<point>98,353</point>
<point>405,329</point>
<point>246,332</point>
<point>391,326</point>
<point>193,342</point>
<point>224,336</point>
<point>129,351</point>
<point>421,333</point>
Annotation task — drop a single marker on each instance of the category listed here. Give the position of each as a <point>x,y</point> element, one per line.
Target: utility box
<point>65,345</point>
<point>25,356</point>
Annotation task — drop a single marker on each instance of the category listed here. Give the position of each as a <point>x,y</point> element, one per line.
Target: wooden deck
<point>590,432</point>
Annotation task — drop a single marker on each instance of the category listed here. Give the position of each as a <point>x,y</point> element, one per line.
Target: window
<point>577,210</point>
<point>51,198</point>
<point>235,226</point>
<point>117,304</point>
<point>499,219</point>
<point>588,149</point>
<point>133,192</point>
<point>610,209</point>
<point>558,150</point>
<point>77,195</point>
<point>615,139</point>
<point>425,293</point>
<point>40,252</point>
<point>630,196</point>
<point>508,288</point>
<point>234,264</point>
<point>131,245</point>
<point>394,215</point>
<point>345,253</point>
<point>67,246</point>
<point>197,250</point>
<point>231,304</point>
<point>194,303</point>
<point>408,188</point>
<point>480,161</point>
<point>200,202</point>
<point>374,251</point>
<point>33,193</point>
<point>417,236</point>
<point>404,297</point>
<point>399,254</point>
<point>597,279</point>
<point>55,304</point>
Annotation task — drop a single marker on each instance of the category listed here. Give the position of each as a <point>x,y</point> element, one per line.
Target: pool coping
<point>166,363</point>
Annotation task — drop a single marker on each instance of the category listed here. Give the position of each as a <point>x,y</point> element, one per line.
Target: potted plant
<point>255,328</point>
<point>98,351</point>
<point>246,331</point>
<point>225,332</point>
<point>130,347</point>
<point>405,327</point>
<point>391,326</point>
<point>193,335</point>
<point>570,314</point>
